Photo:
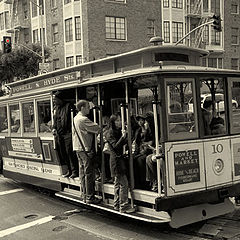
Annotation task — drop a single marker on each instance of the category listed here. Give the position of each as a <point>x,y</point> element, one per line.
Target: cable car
<point>195,155</point>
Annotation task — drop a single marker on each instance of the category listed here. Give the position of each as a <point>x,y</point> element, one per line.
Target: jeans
<point>86,174</point>
<point>120,191</point>
<point>66,155</point>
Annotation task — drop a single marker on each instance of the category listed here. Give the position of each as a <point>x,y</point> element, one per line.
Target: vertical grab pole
<point>101,141</point>
<point>95,120</point>
<point>123,124</point>
<point>131,186</point>
<point>157,146</point>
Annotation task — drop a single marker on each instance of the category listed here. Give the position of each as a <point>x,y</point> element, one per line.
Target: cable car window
<point>44,116</point>
<point>213,106</point>
<point>3,119</point>
<point>28,117</point>
<point>15,118</point>
<point>234,102</point>
<point>181,109</point>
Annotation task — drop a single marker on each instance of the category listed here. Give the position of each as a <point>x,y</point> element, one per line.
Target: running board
<point>142,214</point>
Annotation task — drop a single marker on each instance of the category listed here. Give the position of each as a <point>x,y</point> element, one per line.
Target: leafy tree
<point>21,63</point>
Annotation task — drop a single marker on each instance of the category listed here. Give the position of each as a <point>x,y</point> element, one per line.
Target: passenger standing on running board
<point>83,135</point>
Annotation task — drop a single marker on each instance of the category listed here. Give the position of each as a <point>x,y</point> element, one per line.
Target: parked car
<point>219,98</point>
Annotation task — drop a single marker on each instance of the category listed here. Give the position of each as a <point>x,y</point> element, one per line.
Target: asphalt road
<point>27,213</point>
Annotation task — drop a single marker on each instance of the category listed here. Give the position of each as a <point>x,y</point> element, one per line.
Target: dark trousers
<point>66,154</point>
<point>86,174</point>
<point>140,171</point>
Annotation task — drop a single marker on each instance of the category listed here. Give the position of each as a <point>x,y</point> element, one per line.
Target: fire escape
<point>194,18</point>
<point>18,19</point>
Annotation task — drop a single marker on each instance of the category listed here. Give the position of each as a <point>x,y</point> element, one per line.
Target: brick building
<point>78,31</point>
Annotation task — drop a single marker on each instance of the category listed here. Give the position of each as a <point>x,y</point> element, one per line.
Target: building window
<point>212,62</point>
<point>43,35</point>
<point>215,6</point>
<point>41,3</point>
<point>77,28</point>
<point>234,63</point>
<point>177,31</point>
<point>53,3</point>
<point>78,59</point>
<point>56,64</point>
<point>206,35</point>
<point>35,36</point>
<point>234,8</point>
<point>68,30</point>
<point>150,27</point>
<point>69,61</point>
<point>220,63</point>
<point>205,5</point>
<point>55,32</point>
<point>215,38</point>
<point>34,8</point>
<point>234,36</point>
<point>177,3</point>
<point>25,9</point>
<point>115,28</point>
<point>166,3</point>
<point>166,26</point>
<point>26,35</point>
<point>1,21</point>
<point>7,18</point>
<point>67,1</point>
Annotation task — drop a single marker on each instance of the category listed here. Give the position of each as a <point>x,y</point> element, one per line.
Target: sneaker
<point>93,200</point>
<point>74,175</point>
<point>154,186</point>
<point>67,174</point>
<point>128,210</point>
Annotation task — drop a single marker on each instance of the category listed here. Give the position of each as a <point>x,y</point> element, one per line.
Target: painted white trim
<point>9,192</point>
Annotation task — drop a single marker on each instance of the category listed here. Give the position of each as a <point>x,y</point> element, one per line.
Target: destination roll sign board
<point>47,82</point>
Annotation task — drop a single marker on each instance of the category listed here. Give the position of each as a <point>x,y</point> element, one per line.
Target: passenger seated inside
<point>207,116</point>
<point>15,126</point>
<point>217,126</point>
<point>45,126</point>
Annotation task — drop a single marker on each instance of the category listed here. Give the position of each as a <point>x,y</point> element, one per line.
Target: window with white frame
<point>7,22</point>
<point>177,3</point>
<point>165,3</point>
<point>35,36</point>
<point>14,118</point>
<point>235,33</point>
<point>234,8</point>
<point>69,61</point>
<point>212,62</point>
<point>68,30</point>
<point>151,27</point>
<point>166,29</point>
<point>28,117</point>
<point>1,21</point>
<point>55,33</point>
<point>78,59</point>
<point>78,28</point>
<point>215,37</point>
<point>25,9</point>
<point>56,65</point>
<point>234,63</point>
<point>53,3</point>
<point>34,8</point>
<point>177,31</point>
<point>41,3</point>
<point>115,28</point>
<point>215,6</point>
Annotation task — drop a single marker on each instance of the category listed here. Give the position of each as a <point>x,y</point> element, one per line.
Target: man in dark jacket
<point>63,133</point>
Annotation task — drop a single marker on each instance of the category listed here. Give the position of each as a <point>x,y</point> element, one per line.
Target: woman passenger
<point>116,140</point>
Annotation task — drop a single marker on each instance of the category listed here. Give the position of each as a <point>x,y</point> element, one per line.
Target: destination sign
<point>187,169</point>
<point>47,82</point>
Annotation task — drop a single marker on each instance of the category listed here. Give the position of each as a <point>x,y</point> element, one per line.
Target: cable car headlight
<point>218,166</point>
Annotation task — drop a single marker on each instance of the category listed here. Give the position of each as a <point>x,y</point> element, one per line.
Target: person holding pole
<point>83,143</point>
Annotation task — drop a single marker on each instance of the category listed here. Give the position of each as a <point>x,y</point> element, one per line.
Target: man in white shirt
<point>83,135</point>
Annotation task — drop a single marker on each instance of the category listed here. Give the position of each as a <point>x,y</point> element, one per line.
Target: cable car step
<point>142,214</point>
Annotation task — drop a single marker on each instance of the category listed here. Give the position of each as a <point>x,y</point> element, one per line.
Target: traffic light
<point>217,23</point>
<point>7,44</point>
